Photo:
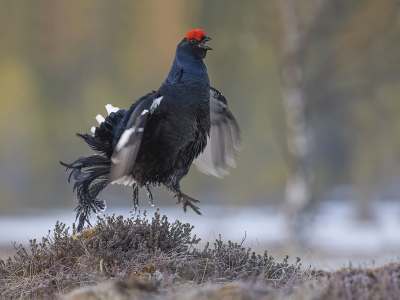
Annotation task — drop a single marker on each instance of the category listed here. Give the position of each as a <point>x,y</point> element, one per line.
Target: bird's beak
<point>203,43</point>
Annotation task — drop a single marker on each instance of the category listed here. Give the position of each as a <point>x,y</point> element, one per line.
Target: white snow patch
<point>155,104</point>
<point>111,108</point>
<point>100,119</point>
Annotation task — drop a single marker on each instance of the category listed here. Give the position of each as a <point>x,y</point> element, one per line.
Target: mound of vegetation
<point>140,258</point>
<point>154,251</point>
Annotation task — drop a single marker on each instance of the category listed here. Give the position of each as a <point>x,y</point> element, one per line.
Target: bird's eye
<point>193,40</point>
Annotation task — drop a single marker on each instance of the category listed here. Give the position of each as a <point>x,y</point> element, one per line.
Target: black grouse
<point>157,139</point>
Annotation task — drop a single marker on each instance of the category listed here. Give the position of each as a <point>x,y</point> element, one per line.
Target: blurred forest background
<point>314,85</point>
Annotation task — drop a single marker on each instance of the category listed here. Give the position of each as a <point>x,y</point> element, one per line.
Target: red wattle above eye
<point>195,34</point>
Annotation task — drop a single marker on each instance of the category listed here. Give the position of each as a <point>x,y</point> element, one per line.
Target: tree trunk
<point>298,191</point>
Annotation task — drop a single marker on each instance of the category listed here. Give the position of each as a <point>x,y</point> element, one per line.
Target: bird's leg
<point>185,199</point>
<point>135,199</point>
<point>149,195</point>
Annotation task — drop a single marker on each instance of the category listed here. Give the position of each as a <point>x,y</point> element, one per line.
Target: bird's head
<point>194,43</point>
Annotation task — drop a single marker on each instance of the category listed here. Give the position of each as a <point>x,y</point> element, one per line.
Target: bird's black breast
<point>175,133</point>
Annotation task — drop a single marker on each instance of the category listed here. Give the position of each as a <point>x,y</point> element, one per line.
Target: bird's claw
<point>132,212</point>
<point>187,201</point>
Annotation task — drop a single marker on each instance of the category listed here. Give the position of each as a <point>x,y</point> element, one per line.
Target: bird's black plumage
<point>157,139</point>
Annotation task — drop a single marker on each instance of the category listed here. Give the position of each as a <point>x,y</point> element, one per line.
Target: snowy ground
<point>334,238</point>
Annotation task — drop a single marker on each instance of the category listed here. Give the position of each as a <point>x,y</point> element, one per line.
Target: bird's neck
<point>189,65</point>
<point>187,59</point>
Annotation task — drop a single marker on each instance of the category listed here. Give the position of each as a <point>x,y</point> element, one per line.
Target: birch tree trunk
<point>300,140</point>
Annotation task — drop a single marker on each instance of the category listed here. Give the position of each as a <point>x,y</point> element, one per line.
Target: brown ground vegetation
<point>140,258</point>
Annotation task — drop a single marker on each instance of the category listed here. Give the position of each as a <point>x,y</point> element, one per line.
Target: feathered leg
<point>135,199</point>
<point>149,195</point>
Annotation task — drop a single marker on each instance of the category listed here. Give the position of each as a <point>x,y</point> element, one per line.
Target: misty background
<point>313,84</point>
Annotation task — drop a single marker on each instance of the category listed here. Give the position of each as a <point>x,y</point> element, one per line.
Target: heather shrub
<point>141,258</point>
<point>154,250</point>
<point>227,262</point>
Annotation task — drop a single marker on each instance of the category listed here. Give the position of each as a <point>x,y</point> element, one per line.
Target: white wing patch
<point>111,108</point>
<point>144,112</point>
<point>155,104</point>
<point>125,138</point>
<point>93,129</point>
<point>126,180</point>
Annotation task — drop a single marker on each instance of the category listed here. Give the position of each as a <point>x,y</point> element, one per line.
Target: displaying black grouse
<point>157,139</point>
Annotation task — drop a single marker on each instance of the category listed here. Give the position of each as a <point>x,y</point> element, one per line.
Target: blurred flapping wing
<point>224,141</point>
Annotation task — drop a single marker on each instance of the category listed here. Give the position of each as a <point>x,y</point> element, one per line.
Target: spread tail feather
<point>91,177</point>
<point>91,173</point>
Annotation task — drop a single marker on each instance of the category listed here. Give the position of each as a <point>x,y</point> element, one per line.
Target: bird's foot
<point>187,201</point>
<point>132,212</point>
